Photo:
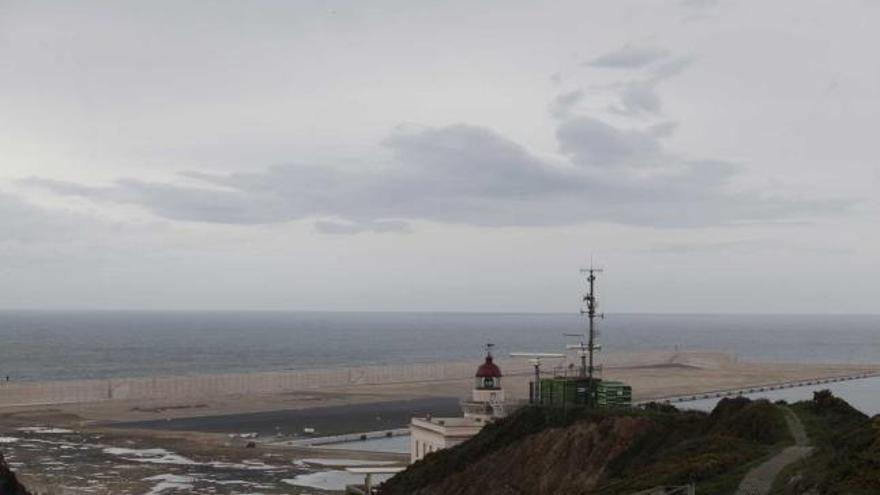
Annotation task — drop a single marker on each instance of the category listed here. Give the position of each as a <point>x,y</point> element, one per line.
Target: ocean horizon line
<point>418,312</point>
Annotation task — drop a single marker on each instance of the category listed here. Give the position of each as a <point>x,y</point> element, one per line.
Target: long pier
<point>718,394</point>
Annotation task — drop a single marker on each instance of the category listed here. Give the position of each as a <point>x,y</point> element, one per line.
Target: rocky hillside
<point>577,451</point>
<point>9,485</point>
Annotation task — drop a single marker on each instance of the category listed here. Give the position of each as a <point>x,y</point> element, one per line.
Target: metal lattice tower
<point>592,305</point>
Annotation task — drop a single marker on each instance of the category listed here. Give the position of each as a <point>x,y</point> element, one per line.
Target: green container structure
<point>613,394</point>
<point>560,391</point>
<point>565,390</point>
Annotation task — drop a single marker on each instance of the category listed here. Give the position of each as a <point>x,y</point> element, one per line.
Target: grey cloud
<point>39,242</point>
<point>24,222</point>
<point>331,227</point>
<point>68,188</point>
<point>591,142</point>
<point>707,247</point>
<point>639,97</point>
<point>697,10</point>
<point>830,88</point>
<point>472,175</point>
<point>699,4</point>
<point>203,204</point>
<point>629,57</point>
<point>663,129</point>
<point>200,204</point>
<point>562,105</point>
<point>670,68</point>
<point>743,247</point>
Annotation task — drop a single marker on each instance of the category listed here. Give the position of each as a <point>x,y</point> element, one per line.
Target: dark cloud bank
<point>472,175</point>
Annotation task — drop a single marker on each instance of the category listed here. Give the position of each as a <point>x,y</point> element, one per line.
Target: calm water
<point>72,345</point>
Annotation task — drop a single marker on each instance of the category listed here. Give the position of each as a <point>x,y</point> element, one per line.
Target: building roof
<point>461,427</point>
<point>488,369</point>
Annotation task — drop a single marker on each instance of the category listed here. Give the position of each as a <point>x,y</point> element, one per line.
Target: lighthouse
<point>430,434</point>
<point>487,397</point>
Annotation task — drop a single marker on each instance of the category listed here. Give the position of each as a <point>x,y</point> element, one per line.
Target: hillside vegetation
<point>847,456</point>
<point>579,451</point>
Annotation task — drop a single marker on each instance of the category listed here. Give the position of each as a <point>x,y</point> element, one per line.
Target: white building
<point>431,434</point>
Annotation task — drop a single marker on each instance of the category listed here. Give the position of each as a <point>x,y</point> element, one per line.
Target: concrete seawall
<point>196,386</point>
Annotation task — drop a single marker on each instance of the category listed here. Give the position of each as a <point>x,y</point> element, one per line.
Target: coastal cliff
<point>578,451</point>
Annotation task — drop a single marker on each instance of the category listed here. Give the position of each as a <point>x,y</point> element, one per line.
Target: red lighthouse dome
<point>488,375</point>
<point>488,369</point>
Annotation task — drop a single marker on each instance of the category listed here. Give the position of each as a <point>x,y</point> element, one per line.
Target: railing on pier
<point>717,394</point>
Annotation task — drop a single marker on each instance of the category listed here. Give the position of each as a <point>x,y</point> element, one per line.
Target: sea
<point>56,345</point>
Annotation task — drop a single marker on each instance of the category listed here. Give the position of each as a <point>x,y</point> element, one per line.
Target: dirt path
<point>760,479</point>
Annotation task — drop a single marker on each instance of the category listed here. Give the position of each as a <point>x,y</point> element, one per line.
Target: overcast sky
<point>712,156</point>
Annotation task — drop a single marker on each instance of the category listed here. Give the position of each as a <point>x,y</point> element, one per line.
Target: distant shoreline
<point>653,375</point>
<point>419,312</point>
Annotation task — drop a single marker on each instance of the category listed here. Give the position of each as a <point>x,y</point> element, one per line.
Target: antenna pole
<point>537,386</point>
<point>591,314</point>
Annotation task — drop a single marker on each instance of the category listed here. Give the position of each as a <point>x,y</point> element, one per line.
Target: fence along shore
<point>256,383</point>
<point>189,387</point>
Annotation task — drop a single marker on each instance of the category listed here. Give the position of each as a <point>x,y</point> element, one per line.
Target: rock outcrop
<point>9,484</point>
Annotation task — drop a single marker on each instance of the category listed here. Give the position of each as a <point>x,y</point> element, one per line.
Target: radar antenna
<point>535,360</point>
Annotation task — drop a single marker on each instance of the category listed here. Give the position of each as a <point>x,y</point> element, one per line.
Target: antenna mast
<point>591,306</point>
